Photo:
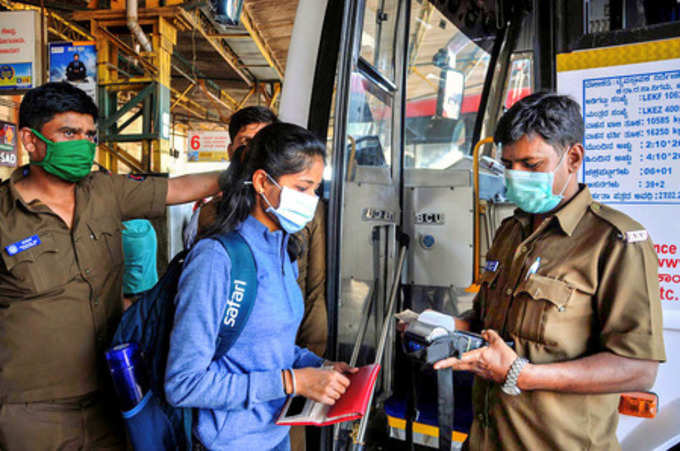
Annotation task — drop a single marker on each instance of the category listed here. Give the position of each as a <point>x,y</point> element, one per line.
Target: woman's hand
<point>341,367</point>
<point>321,385</point>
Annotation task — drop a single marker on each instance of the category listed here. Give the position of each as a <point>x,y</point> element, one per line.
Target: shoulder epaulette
<point>627,228</point>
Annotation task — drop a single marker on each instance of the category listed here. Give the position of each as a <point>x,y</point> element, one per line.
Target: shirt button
<point>508,291</point>
<point>87,271</point>
<point>524,249</point>
<point>480,416</point>
<point>92,236</point>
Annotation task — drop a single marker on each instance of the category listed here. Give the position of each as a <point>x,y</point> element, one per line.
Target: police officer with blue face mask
<point>573,283</point>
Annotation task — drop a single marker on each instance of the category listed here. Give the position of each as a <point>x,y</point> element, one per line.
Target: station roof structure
<point>216,69</point>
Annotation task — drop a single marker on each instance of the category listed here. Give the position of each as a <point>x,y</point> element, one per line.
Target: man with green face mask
<point>61,273</point>
<point>573,283</point>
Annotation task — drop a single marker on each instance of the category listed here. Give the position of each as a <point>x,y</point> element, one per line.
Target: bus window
<point>438,136</point>
<point>602,16</point>
<point>519,82</point>
<point>369,124</point>
<point>379,35</point>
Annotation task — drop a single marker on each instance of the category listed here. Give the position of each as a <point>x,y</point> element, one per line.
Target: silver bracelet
<point>292,378</point>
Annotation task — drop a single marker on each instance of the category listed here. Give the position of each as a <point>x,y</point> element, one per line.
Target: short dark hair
<point>250,115</point>
<point>556,118</point>
<point>41,104</point>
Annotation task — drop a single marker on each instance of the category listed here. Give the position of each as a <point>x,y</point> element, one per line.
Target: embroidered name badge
<point>20,246</point>
<point>491,265</point>
<point>636,236</point>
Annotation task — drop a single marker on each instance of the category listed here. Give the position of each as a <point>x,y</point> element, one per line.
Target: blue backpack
<point>154,424</point>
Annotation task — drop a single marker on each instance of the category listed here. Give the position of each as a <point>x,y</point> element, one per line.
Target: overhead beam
<point>231,35</point>
<point>113,39</point>
<point>198,77</point>
<point>189,101</point>
<point>216,101</point>
<point>275,95</point>
<point>254,32</point>
<point>125,157</point>
<point>245,99</point>
<point>201,25</point>
<point>181,96</point>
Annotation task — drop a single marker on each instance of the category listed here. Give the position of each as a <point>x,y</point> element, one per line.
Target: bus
<point>404,92</point>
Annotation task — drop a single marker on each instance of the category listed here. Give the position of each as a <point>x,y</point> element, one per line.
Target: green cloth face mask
<point>68,160</point>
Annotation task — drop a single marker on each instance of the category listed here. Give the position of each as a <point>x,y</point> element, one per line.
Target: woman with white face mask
<point>266,198</point>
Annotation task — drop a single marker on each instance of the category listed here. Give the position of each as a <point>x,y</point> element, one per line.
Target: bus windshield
<point>446,71</point>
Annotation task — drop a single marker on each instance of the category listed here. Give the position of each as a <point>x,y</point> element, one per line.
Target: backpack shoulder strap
<point>242,291</point>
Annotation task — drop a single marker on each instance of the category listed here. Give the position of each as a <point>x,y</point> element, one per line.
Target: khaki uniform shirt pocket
<point>39,270</point>
<point>540,303</point>
<point>107,250</point>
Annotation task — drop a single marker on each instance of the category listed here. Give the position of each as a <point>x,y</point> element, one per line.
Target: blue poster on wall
<point>76,63</point>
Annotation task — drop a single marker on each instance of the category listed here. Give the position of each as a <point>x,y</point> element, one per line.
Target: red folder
<point>299,411</point>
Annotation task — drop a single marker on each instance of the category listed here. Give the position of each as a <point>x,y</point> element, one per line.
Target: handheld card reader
<point>430,341</point>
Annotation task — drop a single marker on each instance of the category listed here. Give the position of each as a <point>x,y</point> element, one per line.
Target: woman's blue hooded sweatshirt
<point>239,395</point>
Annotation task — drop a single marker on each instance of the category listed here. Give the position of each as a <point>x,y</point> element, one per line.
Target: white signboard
<point>207,145</point>
<point>632,150</point>
<point>20,56</point>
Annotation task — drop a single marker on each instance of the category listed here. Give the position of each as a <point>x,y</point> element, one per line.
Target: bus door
<point>450,53</point>
<point>365,209</point>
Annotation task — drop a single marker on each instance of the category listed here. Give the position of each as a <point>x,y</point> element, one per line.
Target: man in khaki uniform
<point>61,270</point>
<point>313,331</point>
<point>573,283</point>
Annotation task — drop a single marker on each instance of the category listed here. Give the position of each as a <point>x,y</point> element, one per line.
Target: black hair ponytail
<point>278,149</point>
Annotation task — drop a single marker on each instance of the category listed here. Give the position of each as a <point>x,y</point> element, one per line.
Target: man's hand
<point>321,385</point>
<point>491,362</point>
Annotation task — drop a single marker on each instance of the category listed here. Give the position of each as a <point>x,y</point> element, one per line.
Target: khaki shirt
<point>61,300</point>
<point>595,290</point>
<point>313,331</point>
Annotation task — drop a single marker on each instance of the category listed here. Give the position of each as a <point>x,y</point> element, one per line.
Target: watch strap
<point>509,386</point>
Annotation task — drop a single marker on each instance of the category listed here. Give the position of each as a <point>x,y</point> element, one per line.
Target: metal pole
<point>43,44</point>
<point>396,282</point>
<point>387,324</point>
<point>365,317</point>
<point>368,306</point>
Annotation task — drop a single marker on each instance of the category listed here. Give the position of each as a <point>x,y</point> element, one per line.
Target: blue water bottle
<point>127,371</point>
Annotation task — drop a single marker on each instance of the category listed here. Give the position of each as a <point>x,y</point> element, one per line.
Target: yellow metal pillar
<point>103,75</point>
<point>164,39</point>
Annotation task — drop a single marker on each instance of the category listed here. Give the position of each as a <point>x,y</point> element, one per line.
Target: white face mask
<point>295,210</point>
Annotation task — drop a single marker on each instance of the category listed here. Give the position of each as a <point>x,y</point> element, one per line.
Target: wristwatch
<point>509,386</point>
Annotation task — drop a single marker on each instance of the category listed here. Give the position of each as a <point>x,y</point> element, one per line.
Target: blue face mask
<point>533,191</point>
<point>295,210</point>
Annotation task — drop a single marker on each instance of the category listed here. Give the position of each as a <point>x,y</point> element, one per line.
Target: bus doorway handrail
<point>475,180</point>
<point>359,439</point>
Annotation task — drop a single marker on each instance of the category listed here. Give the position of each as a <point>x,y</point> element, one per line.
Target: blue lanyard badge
<point>20,246</point>
<point>491,265</point>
